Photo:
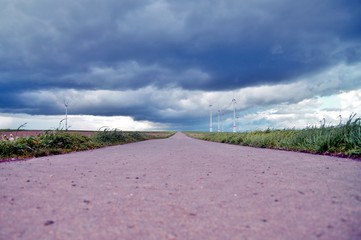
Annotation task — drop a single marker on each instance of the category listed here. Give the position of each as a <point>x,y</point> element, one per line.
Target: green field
<point>342,140</point>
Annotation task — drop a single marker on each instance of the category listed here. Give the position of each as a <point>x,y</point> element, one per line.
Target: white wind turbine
<point>66,104</point>
<point>234,114</point>
<point>210,118</point>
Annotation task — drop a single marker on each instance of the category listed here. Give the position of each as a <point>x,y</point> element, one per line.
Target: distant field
<point>28,133</point>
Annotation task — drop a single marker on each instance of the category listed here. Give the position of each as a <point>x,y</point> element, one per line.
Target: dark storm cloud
<point>195,45</point>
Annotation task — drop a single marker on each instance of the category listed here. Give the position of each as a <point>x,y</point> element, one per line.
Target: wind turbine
<point>219,116</point>
<point>234,114</point>
<point>222,120</point>
<point>210,118</point>
<point>66,104</point>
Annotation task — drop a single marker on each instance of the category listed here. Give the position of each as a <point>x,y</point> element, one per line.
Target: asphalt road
<point>181,188</point>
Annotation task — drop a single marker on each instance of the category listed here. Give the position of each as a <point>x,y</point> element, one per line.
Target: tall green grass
<point>48,143</point>
<point>341,140</point>
<point>58,142</point>
<point>111,137</point>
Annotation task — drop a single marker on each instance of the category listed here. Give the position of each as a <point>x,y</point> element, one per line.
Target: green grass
<point>341,140</point>
<point>59,142</point>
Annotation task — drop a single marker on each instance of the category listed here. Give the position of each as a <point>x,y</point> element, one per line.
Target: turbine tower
<point>219,124</point>
<point>234,114</point>
<point>66,104</point>
<point>222,120</point>
<point>210,118</point>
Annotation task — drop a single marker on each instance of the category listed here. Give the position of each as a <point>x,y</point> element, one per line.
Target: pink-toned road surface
<point>181,188</point>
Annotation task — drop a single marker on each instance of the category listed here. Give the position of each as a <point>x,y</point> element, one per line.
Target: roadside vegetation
<point>343,140</point>
<point>59,142</point>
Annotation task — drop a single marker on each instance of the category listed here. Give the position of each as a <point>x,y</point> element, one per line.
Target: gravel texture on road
<point>181,188</point>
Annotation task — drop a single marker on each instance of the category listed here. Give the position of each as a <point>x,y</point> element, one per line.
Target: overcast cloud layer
<point>163,62</point>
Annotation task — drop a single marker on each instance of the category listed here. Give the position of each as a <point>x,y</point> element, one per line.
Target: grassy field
<point>342,140</point>
<point>59,142</point>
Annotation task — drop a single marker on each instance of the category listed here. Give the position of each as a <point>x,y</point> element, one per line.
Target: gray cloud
<point>188,45</point>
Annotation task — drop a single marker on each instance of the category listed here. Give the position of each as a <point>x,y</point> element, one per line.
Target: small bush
<point>107,137</point>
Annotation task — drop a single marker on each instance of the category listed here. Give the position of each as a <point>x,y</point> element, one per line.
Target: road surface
<point>181,188</point>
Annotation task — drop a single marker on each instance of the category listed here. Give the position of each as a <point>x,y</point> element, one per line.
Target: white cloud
<point>76,122</point>
<point>119,122</point>
<point>177,103</point>
<point>6,121</point>
<point>297,104</point>
<point>351,101</point>
<point>308,112</point>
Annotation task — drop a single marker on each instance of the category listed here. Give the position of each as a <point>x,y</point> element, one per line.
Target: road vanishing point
<point>181,188</point>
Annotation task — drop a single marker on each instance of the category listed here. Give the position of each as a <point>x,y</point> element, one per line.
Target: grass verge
<point>343,140</point>
<point>59,142</point>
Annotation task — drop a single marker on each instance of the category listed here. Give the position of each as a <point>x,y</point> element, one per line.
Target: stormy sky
<point>159,64</point>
